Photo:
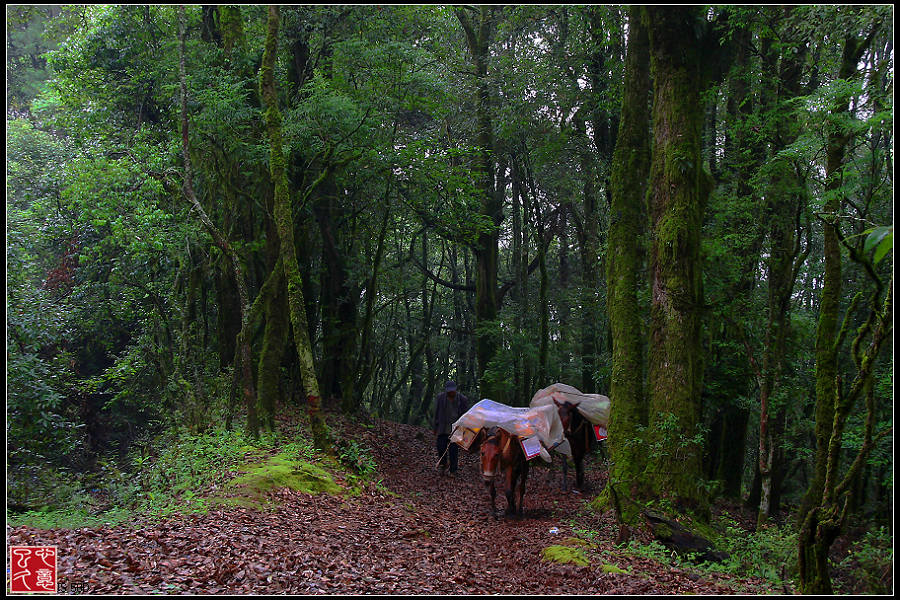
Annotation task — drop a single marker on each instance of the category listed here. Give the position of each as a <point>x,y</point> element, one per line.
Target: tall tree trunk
<point>743,155</point>
<point>677,196</point>
<point>413,337</point>
<point>627,232</point>
<point>525,382</point>
<point>519,390</point>
<point>478,37</point>
<point>564,311</point>
<point>364,360</point>
<point>544,347</point>
<point>228,312</point>
<point>339,303</point>
<point>785,201</point>
<point>285,223</point>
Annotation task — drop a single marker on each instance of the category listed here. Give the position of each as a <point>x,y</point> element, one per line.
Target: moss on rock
<point>565,555</point>
<point>608,568</point>
<point>280,471</point>
<point>574,541</point>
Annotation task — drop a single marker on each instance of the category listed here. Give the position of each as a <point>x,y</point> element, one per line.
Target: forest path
<point>427,535</point>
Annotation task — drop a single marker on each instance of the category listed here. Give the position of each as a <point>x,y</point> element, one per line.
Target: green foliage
<point>870,560</point>
<point>112,66</point>
<point>251,488</point>
<point>881,239</point>
<point>30,32</point>
<point>770,554</point>
<point>356,457</point>
<point>654,551</point>
<point>168,473</point>
<point>68,518</point>
<point>670,440</point>
<point>178,472</point>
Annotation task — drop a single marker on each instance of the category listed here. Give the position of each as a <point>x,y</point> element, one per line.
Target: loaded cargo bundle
<point>530,424</point>
<point>594,407</point>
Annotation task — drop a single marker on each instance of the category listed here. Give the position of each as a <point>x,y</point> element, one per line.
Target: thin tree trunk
<point>285,222</point>
<point>820,516</point>
<point>273,345</point>
<point>784,207</point>
<point>249,391</point>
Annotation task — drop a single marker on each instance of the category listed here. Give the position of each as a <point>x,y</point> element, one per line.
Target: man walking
<point>449,406</point>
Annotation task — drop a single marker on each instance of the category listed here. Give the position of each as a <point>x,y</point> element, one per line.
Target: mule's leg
<point>489,484</point>
<point>522,481</point>
<point>565,473</point>
<point>579,465</point>
<point>579,472</point>
<point>510,479</point>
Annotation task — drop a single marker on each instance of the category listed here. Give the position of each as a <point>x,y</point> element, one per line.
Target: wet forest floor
<point>408,531</point>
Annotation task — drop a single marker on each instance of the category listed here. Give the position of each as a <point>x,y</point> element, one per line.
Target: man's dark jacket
<point>446,413</point>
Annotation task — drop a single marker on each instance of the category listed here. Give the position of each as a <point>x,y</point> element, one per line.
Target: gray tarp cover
<point>594,407</point>
<point>540,421</point>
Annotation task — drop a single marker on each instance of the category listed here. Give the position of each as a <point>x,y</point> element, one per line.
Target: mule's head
<point>490,453</point>
<point>568,415</point>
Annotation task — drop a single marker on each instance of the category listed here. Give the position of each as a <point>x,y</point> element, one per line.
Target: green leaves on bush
<point>881,239</point>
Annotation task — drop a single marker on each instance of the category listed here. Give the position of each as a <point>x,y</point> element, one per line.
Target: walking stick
<point>447,448</point>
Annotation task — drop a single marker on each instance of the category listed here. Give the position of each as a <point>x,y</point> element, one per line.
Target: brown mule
<point>502,455</point>
<point>579,432</point>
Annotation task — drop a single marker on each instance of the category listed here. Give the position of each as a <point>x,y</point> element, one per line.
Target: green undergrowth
<point>179,472</point>
<point>769,554</point>
<point>68,518</point>
<point>870,561</point>
<point>578,551</point>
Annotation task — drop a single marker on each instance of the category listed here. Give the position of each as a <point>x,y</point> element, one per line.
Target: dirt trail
<point>426,534</point>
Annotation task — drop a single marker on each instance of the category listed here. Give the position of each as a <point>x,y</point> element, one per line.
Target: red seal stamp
<point>32,569</point>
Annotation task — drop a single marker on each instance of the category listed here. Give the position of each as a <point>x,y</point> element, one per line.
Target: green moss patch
<point>565,555</point>
<point>608,568</point>
<point>280,471</point>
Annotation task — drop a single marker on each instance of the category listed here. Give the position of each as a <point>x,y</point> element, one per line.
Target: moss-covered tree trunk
<point>677,195</point>
<point>820,515</point>
<point>285,223</point>
<point>829,308</point>
<point>272,351</point>
<point>627,232</point>
<point>824,521</point>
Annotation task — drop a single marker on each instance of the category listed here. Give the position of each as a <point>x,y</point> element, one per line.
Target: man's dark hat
<point>450,387</point>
